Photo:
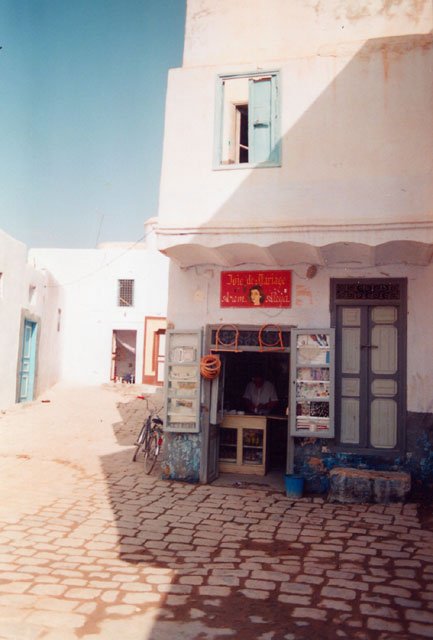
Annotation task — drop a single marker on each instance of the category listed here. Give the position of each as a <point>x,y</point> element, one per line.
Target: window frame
<point>275,126</point>
<point>401,303</point>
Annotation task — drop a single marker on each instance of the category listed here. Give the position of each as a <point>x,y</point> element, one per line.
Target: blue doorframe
<point>28,362</point>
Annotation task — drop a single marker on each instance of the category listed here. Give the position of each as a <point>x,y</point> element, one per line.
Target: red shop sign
<point>256,289</point>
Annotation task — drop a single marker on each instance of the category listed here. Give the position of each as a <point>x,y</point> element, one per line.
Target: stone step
<point>367,485</point>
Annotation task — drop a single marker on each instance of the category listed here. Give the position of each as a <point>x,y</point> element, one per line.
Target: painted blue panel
<point>181,457</point>
<point>259,120</point>
<point>28,362</point>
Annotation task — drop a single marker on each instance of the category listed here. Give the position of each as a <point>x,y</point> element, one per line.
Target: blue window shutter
<point>260,120</point>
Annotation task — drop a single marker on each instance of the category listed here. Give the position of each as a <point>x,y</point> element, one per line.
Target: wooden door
<point>370,376</point>
<point>28,362</point>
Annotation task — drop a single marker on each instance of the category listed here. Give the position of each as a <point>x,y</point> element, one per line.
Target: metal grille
<point>251,338</point>
<point>126,293</point>
<point>367,291</point>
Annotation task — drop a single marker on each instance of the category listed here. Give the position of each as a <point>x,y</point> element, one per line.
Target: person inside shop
<point>260,396</point>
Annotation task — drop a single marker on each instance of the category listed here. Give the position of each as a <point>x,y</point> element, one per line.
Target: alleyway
<point>91,548</point>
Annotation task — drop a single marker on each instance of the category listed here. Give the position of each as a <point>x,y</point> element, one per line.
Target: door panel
<point>369,375</point>
<point>160,357</point>
<point>215,417</point>
<point>384,387</point>
<point>384,350</point>
<point>384,423</point>
<point>384,315</point>
<point>28,362</point>
<point>350,420</point>
<point>350,350</point>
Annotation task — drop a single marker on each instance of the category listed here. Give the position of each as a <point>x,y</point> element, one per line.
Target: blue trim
<point>275,122</point>
<point>28,362</point>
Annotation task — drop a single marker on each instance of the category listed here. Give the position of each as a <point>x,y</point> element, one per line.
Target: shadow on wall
<point>334,156</point>
<point>354,155</point>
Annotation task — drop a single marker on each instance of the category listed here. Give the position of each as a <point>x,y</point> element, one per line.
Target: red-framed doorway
<point>154,350</point>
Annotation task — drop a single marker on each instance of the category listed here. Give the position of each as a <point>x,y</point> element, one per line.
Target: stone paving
<point>92,548</point>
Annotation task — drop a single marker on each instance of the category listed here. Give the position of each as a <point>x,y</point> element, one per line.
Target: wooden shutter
<point>259,120</point>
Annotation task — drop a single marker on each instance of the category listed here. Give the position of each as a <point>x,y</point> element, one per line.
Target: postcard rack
<point>182,388</point>
<point>312,383</point>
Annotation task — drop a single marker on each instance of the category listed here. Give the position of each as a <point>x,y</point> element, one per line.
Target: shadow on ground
<point>189,580</point>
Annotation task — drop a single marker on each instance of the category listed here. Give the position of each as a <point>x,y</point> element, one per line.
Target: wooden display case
<point>312,375</point>
<point>243,445</point>
<point>182,388</point>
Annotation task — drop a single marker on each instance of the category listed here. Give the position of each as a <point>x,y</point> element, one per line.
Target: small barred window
<point>126,293</point>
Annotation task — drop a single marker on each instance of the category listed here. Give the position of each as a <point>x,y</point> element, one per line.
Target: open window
<point>247,127</point>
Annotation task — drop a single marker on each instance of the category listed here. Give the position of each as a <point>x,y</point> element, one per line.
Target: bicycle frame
<point>151,425</point>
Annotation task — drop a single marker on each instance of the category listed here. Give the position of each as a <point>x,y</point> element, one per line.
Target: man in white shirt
<point>260,395</point>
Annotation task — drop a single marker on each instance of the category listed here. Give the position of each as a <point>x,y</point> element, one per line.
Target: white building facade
<point>81,316</point>
<point>114,312</point>
<point>298,150</point>
<point>30,338</point>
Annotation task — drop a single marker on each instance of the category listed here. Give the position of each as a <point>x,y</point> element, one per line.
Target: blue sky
<point>82,87</point>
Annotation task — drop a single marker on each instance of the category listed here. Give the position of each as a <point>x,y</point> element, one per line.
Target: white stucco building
<point>80,316</point>
<point>30,338</point>
<point>114,315</point>
<point>298,138</point>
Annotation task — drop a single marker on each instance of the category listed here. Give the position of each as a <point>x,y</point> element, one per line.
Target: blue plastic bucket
<point>294,486</point>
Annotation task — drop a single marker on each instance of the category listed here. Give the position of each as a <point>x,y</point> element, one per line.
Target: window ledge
<point>245,165</point>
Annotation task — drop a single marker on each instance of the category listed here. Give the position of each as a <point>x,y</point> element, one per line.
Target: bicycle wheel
<point>151,453</point>
<point>140,442</point>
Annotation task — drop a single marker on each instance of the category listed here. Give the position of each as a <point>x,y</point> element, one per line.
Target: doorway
<point>124,347</point>
<point>154,350</point>
<point>274,367</point>
<point>239,446</point>
<point>28,362</point>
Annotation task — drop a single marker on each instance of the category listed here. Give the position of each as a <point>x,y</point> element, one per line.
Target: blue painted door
<point>28,362</point>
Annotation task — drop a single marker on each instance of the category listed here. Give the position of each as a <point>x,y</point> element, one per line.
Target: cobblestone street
<point>92,548</point>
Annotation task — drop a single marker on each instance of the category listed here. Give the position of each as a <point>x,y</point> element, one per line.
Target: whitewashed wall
<point>16,303</point>
<point>223,31</point>
<point>12,267</point>
<point>89,281</point>
<point>356,88</point>
<point>195,295</point>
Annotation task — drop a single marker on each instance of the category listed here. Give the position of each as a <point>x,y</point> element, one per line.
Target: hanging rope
<point>210,367</point>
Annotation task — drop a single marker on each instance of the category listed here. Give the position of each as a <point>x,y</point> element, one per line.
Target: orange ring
<point>279,340</point>
<point>227,344</point>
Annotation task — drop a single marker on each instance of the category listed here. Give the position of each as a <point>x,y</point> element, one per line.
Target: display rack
<point>312,388</point>
<point>243,445</point>
<point>182,389</point>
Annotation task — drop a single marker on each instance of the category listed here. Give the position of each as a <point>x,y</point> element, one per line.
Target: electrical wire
<point>106,264</point>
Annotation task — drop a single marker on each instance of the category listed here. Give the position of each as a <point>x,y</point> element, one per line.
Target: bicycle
<point>154,445</point>
<point>149,440</point>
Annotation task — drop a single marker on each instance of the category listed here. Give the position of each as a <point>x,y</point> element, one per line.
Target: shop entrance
<point>240,439</point>
<point>239,369</point>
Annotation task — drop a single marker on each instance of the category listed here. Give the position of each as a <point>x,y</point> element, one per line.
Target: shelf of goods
<point>182,391</point>
<point>243,445</point>
<point>312,374</point>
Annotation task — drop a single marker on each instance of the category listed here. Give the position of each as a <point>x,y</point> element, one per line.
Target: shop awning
<point>328,248</point>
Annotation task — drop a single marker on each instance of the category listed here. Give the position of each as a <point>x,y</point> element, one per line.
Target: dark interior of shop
<point>273,366</point>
